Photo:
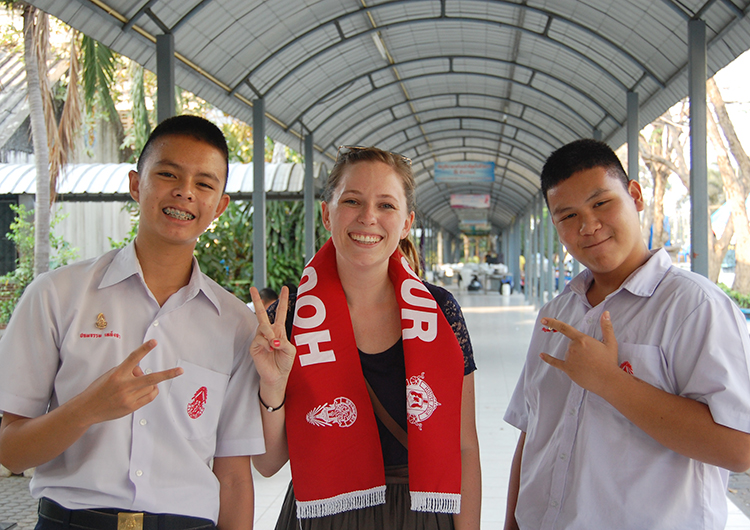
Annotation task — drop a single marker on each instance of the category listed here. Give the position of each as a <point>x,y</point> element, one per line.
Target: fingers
<point>157,377</point>
<point>282,308</point>
<point>260,310</point>
<point>137,355</point>
<point>562,327</point>
<point>552,361</point>
<point>608,331</point>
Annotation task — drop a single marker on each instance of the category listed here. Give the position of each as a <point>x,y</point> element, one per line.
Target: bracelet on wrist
<point>268,407</point>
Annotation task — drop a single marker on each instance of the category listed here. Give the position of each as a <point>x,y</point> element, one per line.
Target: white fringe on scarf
<point>341,503</point>
<point>426,501</point>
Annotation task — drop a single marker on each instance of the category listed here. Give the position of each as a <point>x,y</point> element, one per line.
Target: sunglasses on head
<point>344,149</point>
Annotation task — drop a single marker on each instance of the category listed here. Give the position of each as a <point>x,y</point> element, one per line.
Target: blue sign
<point>464,171</point>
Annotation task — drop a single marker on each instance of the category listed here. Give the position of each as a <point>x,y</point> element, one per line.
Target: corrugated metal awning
<point>109,182</point>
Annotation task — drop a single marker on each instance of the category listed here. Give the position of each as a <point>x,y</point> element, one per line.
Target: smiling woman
<point>363,325</point>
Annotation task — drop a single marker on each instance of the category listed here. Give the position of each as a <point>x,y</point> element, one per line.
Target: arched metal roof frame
<point>458,104</point>
<point>333,115</point>
<point>443,17</point>
<point>557,70</point>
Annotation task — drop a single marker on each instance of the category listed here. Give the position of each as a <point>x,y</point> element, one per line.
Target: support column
<point>550,257</point>
<point>539,232</point>
<point>515,256</point>
<point>309,199</point>
<point>165,105</point>
<point>698,155</point>
<point>632,134</point>
<point>527,252</point>
<point>259,194</point>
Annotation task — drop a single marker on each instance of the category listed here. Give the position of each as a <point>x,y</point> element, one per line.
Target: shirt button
<point>571,412</point>
<point>562,456</point>
<point>138,473</point>
<point>143,421</point>
<point>554,504</point>
<point>156,323</point>
<point>148,371</point>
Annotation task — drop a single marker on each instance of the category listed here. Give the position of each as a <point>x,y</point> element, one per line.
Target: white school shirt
<point>585,466</point>
<point>156,459</point>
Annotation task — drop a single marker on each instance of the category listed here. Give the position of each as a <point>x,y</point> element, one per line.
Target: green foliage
<point>22,234</point>
<point>141,125</point>
<point>135,212</point>
<point>225,251</point>
<point>742,300</point>
<point>239,137</point>
<point>99,64</point>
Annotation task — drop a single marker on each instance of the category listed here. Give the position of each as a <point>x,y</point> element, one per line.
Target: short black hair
<point>580,155</point>
<point>268,295</point>
<point>188,125</point>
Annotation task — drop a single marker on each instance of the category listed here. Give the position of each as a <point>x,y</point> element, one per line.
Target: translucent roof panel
<point>504,81</point>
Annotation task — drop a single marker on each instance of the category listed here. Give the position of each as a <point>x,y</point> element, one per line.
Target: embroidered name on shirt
<point>109,334</point>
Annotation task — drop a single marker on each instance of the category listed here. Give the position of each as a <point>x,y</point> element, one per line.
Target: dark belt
<point>110,519</point>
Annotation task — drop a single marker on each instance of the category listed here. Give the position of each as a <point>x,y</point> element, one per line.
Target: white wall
<point>89,224</point>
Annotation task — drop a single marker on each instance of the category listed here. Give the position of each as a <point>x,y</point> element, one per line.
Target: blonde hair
<point>400,165</point>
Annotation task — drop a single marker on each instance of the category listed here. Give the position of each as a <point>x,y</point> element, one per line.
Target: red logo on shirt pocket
<point>627,367</point>
<point>198,404</point>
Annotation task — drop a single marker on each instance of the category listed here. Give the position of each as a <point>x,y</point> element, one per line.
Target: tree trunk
<point>734,184</point>
<point>654,157</point>
<point>720,247</point>
<point>39,139</point>
<point>736,199</point>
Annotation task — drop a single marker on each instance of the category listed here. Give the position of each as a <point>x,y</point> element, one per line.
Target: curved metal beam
<point>349,82</point>
<point>559,102</point>
<point>553,16</point>
<point>499,138</point>
<point>424,122</point>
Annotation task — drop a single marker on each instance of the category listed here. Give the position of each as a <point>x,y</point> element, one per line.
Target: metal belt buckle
<point>129,521</point>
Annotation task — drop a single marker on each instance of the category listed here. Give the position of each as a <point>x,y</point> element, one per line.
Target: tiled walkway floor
<point>500,329</point>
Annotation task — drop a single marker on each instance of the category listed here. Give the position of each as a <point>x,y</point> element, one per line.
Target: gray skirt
<point>395,514</point>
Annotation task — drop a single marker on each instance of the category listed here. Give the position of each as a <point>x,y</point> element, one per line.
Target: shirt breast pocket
<point>195,399</point>
<point>647,363</point>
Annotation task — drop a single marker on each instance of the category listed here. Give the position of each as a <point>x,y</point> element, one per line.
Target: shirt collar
<point>125,264</point>
<point>642,282</point>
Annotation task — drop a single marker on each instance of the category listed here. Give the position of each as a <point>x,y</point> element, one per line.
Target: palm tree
<point>34,46</point>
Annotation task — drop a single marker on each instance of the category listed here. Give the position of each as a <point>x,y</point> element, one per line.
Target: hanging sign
<point>464,171</point>
<point>470,201</point>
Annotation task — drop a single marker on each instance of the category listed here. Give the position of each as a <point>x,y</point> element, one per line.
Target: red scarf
<point>334,446</point>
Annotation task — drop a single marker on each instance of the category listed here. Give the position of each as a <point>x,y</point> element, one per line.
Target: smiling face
<point>367,215</point>
<point>179,190</point>
<point>597,220</point>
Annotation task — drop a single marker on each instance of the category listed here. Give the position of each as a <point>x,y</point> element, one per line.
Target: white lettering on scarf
<point>314,338</point>
<point>425,323</point>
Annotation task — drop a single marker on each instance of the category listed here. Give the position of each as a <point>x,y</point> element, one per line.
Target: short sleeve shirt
<point>584,464</point>
<point>74,324</point>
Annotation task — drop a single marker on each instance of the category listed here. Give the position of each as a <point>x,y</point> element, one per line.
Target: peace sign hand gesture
<point>123,389</point>
<point>590,363</point>
<point>271,350</point>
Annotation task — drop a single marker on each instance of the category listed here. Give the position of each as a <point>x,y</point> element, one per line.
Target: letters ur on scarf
<point>334,446</point>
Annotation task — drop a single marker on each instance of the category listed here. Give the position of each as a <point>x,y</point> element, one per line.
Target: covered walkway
<point>500,328</point>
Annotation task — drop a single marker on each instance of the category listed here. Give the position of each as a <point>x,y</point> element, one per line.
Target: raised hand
<point>588,362</point>
<point>271,350</point>
<point>124,388</point>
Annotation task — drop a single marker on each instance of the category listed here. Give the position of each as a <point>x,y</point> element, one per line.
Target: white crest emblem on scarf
<point>342,412</point>
<point>420,400</point>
